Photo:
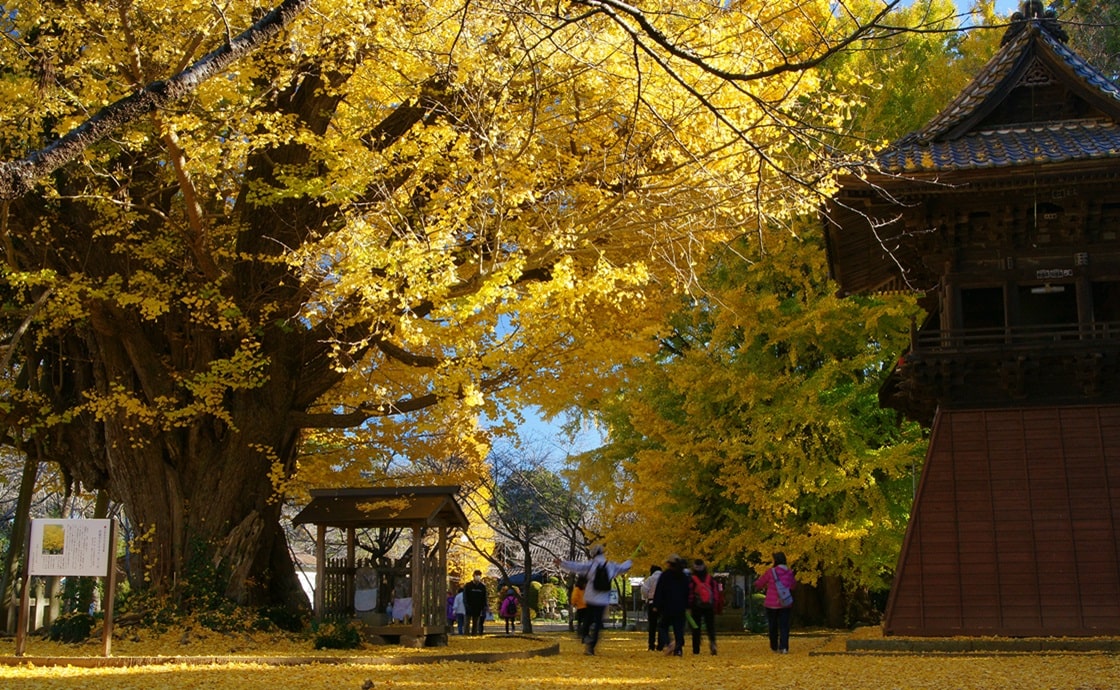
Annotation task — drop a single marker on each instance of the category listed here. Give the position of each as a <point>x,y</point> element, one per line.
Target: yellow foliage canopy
<point>414,212</point>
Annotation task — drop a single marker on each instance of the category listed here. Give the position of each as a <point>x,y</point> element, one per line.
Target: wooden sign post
<point>70,548</point>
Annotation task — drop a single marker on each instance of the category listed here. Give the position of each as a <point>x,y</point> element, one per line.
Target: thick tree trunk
<point>527,569</point>
<point>835,601</point>
<point>213,506</point>
<point>199,492</point>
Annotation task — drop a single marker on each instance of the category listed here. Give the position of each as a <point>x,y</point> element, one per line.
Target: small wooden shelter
<point>420,619</point>
<point>1004,213</point>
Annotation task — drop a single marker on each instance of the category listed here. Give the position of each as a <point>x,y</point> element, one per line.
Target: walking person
<point>779,583</point>
<point>704,601</point>
<point>670,600</point>
<point>579,603</point>
<point>476,601</point>
<point>600,573</point>
<point>460,610</point>
<point>508,609</point>
<point>649,587</point>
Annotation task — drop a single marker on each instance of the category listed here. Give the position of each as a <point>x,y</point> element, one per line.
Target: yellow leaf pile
<point>621,662</point>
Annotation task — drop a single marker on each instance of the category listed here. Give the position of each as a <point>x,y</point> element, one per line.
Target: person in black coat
<point>475,600</point>
<point>670,600</point>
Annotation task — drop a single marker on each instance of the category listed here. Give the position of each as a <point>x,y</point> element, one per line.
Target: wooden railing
<point>1072,336</point>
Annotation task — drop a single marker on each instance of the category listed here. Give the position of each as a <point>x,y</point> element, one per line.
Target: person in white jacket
<point>460,610</point>
<point>598,593</point>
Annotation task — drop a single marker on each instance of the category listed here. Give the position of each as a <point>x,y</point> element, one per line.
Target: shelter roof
<point>402,506</point>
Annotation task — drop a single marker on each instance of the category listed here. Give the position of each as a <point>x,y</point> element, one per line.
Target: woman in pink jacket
<point>779,583</point>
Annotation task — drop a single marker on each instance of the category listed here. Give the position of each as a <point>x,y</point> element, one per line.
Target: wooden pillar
<point>351,569</point>
<point>1084,289</point>
<point>417,579</point>
<point>320,568</point>
<point>441,578</point>
<point>110,591</point>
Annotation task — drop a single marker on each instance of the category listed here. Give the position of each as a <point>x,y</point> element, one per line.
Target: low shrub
<point>280,617</point>
<point>71,627</point>
<point>335,635</point>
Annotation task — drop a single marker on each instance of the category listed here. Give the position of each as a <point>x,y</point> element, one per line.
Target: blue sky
<point>1006,7</point>
<point>536,431</point>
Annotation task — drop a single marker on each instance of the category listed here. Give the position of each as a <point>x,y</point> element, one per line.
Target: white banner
<point>70,547</point>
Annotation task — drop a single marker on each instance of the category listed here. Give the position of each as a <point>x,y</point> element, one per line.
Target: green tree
<point>1094,32</point>
<point>898,84</point>
<point>529,509</point>
<point>757,426</point>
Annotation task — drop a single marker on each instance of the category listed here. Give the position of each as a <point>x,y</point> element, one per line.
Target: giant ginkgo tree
<point>372,223</point>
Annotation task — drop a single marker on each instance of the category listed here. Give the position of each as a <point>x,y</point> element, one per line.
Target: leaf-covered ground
<point>744,661</point>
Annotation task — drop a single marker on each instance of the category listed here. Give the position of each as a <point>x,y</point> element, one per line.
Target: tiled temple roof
<point>955,139</point>
<point>1052,142</point>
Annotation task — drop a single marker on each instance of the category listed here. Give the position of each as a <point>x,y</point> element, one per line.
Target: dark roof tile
<point>1053,142</point>
<point>1006,63</point>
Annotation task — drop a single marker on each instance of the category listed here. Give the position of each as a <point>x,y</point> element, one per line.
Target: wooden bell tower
<point>1004,213</point>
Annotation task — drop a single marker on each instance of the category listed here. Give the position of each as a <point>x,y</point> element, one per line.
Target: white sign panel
<point>70,547</point>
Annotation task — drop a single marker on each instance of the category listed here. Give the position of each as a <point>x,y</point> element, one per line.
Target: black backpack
<point>602,581</point>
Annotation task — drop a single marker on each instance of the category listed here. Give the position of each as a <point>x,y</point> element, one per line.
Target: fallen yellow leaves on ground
<point>196,641</point>
<point>621,662</point>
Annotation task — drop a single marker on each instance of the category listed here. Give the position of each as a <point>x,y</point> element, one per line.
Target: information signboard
<point>70,547</point>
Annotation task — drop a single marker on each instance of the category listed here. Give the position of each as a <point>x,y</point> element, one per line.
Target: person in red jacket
<point>779,584</point>
<point>703,599</point>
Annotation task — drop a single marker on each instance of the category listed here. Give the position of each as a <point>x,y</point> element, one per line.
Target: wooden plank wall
<point>1015,529</point>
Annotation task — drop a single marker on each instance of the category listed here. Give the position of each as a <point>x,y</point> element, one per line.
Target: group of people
<point>468,608</point>
<point>675,596</point>
<point>678,595</point>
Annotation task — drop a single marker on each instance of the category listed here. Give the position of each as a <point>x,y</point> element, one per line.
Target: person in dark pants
<point>703,599</point>
<point>580,606</point>
<point>649,588</point>
<point>670,600</point>
<point>779,583</point>
<point>600,574</point>
<point>475,600</point>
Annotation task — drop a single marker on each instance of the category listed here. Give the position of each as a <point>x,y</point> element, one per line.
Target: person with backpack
<point>779,584</point>
<point>508,609</point>
<point>704,600</point>
<point>600,573</point>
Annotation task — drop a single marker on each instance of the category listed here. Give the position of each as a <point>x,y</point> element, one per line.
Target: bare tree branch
<point>617,11</point>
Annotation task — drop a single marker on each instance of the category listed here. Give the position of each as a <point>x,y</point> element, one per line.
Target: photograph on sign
<point>69,547</point>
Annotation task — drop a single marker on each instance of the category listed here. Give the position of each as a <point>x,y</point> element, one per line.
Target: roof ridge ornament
<point>1032,13</point>
<point>1036,75</point>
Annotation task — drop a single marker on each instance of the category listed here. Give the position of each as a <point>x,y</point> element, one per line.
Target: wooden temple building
<point>1003,212</point>
<point>398,600</point>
